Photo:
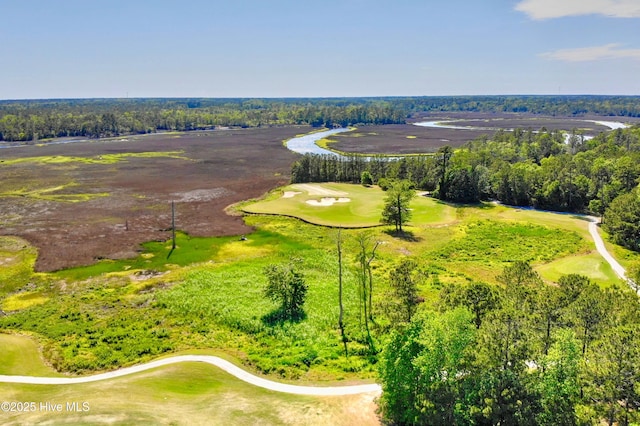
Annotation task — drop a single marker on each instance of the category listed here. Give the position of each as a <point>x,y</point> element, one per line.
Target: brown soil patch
<point>220,168</point>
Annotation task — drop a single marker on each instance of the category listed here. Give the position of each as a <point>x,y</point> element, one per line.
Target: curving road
<point>618,269</point>
<point>209,359</point>
<point>593,230</point>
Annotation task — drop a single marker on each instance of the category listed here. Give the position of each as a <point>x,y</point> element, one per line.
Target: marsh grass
<point>100,159</point>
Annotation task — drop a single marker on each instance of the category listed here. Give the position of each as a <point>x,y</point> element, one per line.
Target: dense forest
<point>524,353</point>
<point>95,118</point>
<point>520,168</point>
<point>28,120</point>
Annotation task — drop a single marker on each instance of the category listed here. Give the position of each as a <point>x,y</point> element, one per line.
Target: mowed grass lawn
<point>363,208</point>
<point>179,394</point>
<point>591,265</point>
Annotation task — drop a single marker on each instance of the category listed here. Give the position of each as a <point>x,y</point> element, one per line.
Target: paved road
<point>593,230</point>
<point>619,270</point>
<point>213,360</point>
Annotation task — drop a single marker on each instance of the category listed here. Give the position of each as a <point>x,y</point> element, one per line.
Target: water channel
<point>307,144</point>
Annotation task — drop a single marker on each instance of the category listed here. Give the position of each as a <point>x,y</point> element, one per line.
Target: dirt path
<point>209,359</point>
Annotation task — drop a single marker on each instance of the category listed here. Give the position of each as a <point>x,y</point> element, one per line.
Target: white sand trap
<point>290,194</point>
<point>328,201</point>
<point>317,189</point>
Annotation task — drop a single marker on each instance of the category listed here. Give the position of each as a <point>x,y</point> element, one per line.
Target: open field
<point>189,393</point>
<point>591,265</point>
<point>83,201</point>
<point>345,205</point>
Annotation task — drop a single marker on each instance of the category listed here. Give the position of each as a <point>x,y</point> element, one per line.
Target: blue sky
<point>299,48</point>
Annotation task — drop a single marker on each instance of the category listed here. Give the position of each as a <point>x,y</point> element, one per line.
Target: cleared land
<point>80,202</point>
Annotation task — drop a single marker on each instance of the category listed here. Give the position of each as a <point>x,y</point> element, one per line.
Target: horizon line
<point>321,97</point>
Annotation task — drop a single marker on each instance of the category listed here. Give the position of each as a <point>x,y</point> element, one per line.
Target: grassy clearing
<point>186,394</point>
<point>362,210</point>
<point>591,265</point>
<point>24,300</point>
<point>486,242</point>
<point>567,222</point>
<point>189,393</point>
<point>20,356</point>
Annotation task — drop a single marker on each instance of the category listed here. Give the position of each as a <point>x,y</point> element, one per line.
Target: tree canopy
<point>286,286</point>
<point>622,220</point>
<point>396,209</point>
<point>541,355</point>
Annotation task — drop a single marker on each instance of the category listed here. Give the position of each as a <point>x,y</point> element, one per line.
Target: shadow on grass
<point>279,317</point>
<point>170,253</point>
<point>403,235</point>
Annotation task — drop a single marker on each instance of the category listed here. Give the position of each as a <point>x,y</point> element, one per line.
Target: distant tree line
<point>520,168</point>
<point>95,118</point>
<point>560,105</point>
<point>27,120</point>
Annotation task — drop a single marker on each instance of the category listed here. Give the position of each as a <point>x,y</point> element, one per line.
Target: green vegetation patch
<point>492,242</point>
<point>20,356</point>
<point>99,159</point>
<point>23,300</point>
<point>54,194</point>
<point>17,259</point>
<point>344,205</point>
<point>159,256</point>
<point>591,265</point>
<point>230,296</point>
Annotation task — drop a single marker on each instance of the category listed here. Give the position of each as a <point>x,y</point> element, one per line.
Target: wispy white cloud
<point>548,9</point>
<point>595,53</point>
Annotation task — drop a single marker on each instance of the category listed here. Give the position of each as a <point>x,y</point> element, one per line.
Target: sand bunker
<point>328,201</point>
<point>317,190</point>
<point>290,194</point>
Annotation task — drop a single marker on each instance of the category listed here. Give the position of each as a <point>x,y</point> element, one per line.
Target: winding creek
<point>307,144</point>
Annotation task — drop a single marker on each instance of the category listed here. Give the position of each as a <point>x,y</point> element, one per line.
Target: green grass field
<point>362,210</point>
<point>591,265</point>
<point>180,394</point>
